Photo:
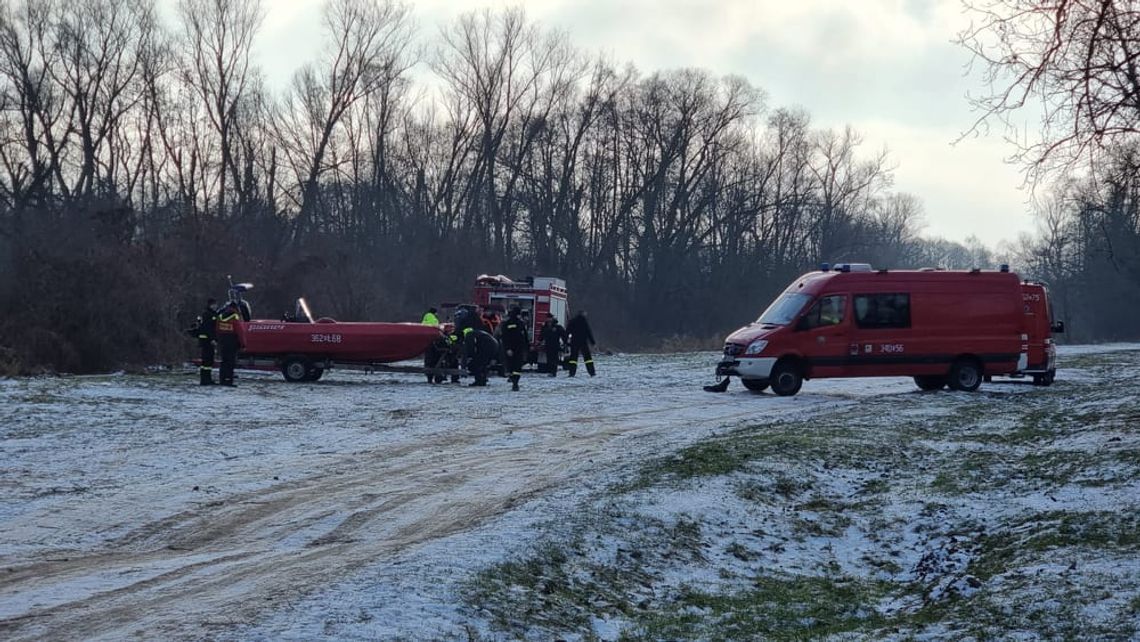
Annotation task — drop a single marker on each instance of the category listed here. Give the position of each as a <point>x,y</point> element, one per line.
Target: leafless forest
<point>143,158</point>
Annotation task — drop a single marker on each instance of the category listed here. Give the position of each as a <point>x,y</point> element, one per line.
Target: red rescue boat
<point>326,339</point>
<point>303,348</point>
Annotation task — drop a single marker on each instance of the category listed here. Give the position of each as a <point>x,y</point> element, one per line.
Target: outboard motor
<point>235,295</point>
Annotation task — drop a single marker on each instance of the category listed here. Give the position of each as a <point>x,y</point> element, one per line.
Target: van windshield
<point>784,309</point>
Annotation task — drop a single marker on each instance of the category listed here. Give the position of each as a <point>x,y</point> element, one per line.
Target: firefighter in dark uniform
<point>479,347</point>
<point>581,338</point>
<point>552,336</point>
<point>228,341</point>
<point>206,333</point>
<point>516,343</point>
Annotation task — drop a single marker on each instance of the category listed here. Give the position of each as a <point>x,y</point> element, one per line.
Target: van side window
<point>882,310</point>
<point>826,311</point>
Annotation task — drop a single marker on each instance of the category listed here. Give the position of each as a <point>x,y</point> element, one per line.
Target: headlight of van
<point>756,347</point>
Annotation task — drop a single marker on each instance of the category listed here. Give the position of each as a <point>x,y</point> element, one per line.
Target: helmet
<point>515,310</point>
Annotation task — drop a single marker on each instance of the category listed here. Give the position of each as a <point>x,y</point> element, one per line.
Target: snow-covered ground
<point>379,507</point>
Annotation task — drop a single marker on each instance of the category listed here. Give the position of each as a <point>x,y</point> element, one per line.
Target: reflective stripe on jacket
<point>226,321</point>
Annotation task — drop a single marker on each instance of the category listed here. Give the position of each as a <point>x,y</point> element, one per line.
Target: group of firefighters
<point>478,341</point>
<point>473,341</point>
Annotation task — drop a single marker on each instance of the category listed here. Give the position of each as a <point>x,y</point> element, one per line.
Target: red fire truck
<point>536,296</point>
<point>954,328</point>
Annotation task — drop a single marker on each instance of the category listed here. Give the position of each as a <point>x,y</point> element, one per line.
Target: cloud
<point>967,189</point>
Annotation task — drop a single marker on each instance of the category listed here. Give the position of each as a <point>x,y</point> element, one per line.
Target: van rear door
<point>1037,322</point>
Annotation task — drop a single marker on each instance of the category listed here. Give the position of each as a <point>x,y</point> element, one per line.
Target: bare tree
<point>99,45</point>
<point>509,75</point>
<point>1071,63</point>
<point>217,43</point>
<point>369,54</point>
<point>35,112</point>
<point>847,189</point>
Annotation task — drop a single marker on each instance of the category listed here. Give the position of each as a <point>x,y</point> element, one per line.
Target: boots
<point>205,376</point>
<point>514,383</point>
<point>590,367</point>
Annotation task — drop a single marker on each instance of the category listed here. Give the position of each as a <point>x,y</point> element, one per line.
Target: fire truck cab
<point>536,296</point>
<point>942,327</point>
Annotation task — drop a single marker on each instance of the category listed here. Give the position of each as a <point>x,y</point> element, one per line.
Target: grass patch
<point>1031,470</point>
<point>780,489</point>
<point>1030,539</point>
<point>778,607</point>
<point>825,442</point>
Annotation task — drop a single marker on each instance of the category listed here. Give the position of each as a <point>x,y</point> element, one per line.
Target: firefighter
<point>552,337</point>
<point>581,338</point>
<point>207,333</point>
<point>228,341</point>
<point>479,347</point>
<point>434,356</point>
<point>516,343</point>
<point>450,358</point>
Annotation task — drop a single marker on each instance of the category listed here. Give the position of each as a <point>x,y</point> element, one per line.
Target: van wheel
<point>785,378</point>
<point>965,375</point>
<point>755,385</point>
<point>314,374</point>
<point>296,369</point>
<point>929,382</point>
<point>1045,379</point>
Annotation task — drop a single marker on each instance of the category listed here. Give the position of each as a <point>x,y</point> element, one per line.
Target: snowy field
<point>628,506</point>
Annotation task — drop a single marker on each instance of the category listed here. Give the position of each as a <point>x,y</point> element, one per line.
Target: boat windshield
<point>784,309</point>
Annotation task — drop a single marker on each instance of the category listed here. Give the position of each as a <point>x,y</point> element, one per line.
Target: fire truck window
<point>826,311</point>
<point>882,310</point>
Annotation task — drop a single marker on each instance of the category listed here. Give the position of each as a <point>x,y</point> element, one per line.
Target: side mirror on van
<point>802,324</point>
<point>1058,327</point>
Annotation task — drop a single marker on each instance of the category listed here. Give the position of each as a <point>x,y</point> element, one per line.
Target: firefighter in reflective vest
<point>581,338</point>
<point>206,332</point>
<point>228,341</point>
<point>435,352</point>
<point>516,343</point>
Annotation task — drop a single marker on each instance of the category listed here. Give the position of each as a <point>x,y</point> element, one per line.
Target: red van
<point>941,327</point>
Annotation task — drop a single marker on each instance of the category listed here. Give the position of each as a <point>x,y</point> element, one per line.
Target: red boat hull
<point>358,342</point>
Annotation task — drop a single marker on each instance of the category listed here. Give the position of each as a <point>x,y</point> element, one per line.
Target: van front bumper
<point>746,368</point>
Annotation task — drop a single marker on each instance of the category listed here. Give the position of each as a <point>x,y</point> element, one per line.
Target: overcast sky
<point>886,67</point>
